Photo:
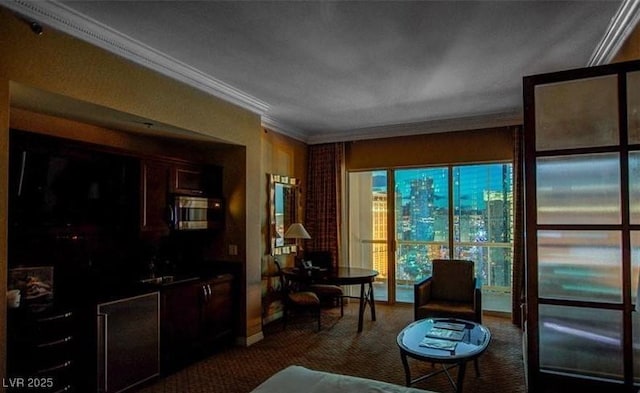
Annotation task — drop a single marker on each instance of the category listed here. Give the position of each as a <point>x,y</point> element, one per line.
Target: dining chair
<point>334,293</point>
<point>297,298</point>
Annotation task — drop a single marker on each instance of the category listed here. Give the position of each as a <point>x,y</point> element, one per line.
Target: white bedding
<point>296,379</point>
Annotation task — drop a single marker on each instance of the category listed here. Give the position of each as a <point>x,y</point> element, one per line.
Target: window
<point>422,225</point>
<point>368,225</point>
<point>445,212</point>
<point>483,221</point>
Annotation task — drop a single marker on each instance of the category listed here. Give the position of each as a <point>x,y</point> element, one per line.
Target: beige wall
<point>630,50</point>
<point>281,155</point>
<point>143,145</point>
<point>57,63</point>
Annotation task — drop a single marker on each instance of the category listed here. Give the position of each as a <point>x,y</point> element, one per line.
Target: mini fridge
<point>128,342</point>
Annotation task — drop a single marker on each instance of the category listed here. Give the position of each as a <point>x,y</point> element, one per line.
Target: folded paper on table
<point>436,343</point>
<point>446,334</point>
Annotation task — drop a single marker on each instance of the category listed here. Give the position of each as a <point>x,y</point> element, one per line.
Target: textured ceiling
<point>338,68</point>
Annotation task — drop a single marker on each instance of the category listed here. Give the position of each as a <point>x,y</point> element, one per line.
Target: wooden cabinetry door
<point>213,179</point>
<point>154,203</point>
<point>194,316</point>
<point>196,180</point>
<point>188,180</point>
<point>180,324</point>
<point>217,309</point>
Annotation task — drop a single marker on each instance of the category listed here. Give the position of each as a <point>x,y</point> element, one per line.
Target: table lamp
<point>297,231</point>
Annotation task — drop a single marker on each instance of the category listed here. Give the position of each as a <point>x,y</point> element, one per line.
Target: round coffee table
<point>474,341</point>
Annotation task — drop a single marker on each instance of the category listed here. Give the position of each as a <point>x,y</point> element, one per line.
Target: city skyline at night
<point>482,219</point>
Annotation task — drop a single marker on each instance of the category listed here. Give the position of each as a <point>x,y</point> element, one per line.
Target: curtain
<point>518,279</point>
<point>323,195</point>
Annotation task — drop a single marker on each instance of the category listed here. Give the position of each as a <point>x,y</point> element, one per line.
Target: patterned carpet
<point>338,348</point>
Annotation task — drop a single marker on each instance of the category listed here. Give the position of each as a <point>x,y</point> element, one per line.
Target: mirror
<point>284,206</point>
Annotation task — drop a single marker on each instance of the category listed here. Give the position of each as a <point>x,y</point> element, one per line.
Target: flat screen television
<point>54,184</point>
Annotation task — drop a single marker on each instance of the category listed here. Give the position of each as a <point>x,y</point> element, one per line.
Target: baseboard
<point>248,341</point>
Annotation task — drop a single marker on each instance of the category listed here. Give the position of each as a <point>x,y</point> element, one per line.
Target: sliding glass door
<point>422,225</point>
<point>446,212</point>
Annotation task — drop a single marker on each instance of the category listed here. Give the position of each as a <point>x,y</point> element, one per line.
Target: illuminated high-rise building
<point>421,205</point>
<point>379,229</point>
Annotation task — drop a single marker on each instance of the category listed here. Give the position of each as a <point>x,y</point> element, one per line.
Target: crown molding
<point>63,18</point>
<point>621,25</point>
<point>426,127</point>
<point>284,129</point>
<point>503,119</point>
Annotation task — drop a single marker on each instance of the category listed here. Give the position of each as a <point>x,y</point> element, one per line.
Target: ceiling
<point>341,70</point>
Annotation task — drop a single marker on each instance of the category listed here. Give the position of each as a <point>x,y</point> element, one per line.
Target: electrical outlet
<point>233,249</point>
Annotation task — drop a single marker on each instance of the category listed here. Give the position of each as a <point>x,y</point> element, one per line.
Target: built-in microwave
<point>191,212</point>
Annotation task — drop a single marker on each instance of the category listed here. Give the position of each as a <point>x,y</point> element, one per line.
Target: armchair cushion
<point>307,298</point>
<point>326,290</point>
<point>296,297</point>
<point>447,309</point>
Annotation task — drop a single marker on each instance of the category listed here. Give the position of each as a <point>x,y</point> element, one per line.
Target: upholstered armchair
<point>450,292</point>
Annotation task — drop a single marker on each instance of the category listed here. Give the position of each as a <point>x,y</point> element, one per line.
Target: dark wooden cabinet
<point>160,180</point>
<point>179,324</point>
<point>98,215</point>
<point>196,180</point>
<point>154,204</point>
<point>217,309</point>
<point>188,180</point>
<point>195,315</point>
<point>43,347</point>
<point>213,179</point>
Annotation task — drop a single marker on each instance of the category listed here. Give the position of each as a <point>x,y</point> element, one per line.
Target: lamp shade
<point>296,231</point>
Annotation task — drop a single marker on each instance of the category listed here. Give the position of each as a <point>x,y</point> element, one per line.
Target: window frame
<point>392,242</point>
